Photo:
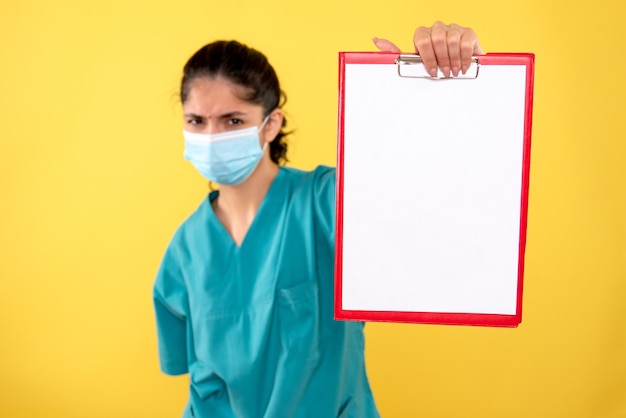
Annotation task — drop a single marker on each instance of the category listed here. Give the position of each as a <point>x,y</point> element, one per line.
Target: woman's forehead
<point>216,93</point>
<point>202,87</point>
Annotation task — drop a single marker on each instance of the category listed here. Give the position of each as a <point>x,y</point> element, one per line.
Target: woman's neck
<point>236,206</point>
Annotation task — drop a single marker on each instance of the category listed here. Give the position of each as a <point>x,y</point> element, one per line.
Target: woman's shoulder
<point>320,176</point>
<point>195,222</point>
<point>316,186</point>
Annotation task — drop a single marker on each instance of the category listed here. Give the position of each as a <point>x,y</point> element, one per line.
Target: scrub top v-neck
<point>269,208</point>
<point>253,325</point>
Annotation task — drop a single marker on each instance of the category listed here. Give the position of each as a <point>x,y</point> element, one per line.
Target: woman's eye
<point>194,121</point>
<point>235,121</point>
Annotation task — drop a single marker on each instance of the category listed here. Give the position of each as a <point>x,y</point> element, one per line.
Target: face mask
<point>227,158</point>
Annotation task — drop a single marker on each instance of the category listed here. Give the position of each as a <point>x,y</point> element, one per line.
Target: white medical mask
<point>227,158</point>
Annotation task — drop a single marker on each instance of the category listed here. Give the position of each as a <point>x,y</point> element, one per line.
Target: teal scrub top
<point>253,325</point>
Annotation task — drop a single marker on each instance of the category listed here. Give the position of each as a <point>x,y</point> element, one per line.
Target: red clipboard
<point>432,190</point>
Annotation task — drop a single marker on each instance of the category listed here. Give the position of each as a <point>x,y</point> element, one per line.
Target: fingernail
<point>433,72</point>
<point>446,71</point>
<point>455,71</point>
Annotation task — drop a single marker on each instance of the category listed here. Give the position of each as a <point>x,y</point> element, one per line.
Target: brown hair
<point>245,67</point>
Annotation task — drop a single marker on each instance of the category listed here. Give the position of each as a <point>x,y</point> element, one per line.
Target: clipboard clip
<point>411,66</point>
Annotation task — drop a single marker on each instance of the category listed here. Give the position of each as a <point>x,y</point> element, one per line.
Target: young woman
<point>244,295</point>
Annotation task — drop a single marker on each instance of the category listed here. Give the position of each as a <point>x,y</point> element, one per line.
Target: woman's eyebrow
<point>222,116</point>
<point>193,115</point>
<point>232,114</point>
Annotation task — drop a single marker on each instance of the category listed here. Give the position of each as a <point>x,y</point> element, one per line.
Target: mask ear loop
<point>264,122</point>
<point>259,130</point>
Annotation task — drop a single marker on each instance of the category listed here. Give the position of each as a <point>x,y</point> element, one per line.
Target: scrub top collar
<point>274,198</point>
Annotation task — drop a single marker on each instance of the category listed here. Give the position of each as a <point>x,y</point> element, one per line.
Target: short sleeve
<point>171,307</point>
<point>325,197</point>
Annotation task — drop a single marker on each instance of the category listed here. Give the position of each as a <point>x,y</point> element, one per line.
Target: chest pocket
<point>299,318</point>
<point>302,323</point>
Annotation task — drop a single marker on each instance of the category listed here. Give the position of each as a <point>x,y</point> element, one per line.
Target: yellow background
<point>93,184</point>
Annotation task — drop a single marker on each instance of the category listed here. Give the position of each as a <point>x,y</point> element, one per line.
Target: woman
<point>244,295</point>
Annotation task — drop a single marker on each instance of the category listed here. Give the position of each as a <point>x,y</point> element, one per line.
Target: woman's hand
<point>449,47</point>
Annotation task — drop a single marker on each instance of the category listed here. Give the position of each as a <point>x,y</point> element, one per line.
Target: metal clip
<point>411,66</point>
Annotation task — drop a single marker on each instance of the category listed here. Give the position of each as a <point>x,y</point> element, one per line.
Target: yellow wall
<point>93,184</point>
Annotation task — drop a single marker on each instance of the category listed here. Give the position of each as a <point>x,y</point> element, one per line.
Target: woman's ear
<point>273,125</point>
